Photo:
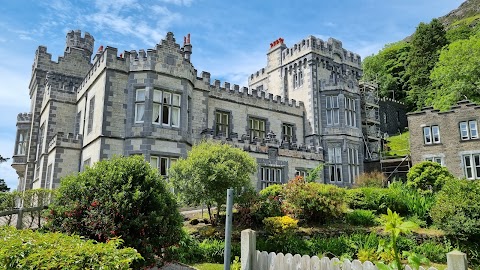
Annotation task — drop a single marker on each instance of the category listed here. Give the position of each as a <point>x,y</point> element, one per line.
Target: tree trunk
<point>210,213</point>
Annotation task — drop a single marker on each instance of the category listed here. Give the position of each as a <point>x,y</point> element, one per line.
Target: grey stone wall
<point>393,116</point>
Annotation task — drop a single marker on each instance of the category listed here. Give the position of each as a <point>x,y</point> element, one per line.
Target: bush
<point>123,197</point>
<point>457,209</point>
<point>314,201</point>
<point>361,217</point>
<point>280,225</point>
<point>268,207</point>
<point>428,176</point>
<point>372,179</point>
<point>271,191</point>
<point>435,251</point>
<point>377,199</point>
<point>25,249</point>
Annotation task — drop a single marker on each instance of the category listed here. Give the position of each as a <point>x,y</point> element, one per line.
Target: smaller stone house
<point>450,138</point>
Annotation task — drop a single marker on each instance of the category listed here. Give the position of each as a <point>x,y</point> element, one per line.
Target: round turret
<point>74,39</point>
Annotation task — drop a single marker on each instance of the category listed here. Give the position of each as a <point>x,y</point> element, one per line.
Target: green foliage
<point>394,226</point>
<point>268,207</point>
<point>361,217</point>
<point>314,173</point>
<point>418,204</point>
<point>271,191</point>
<point>428,176</point>
<point>314,201</point>
<point>284,225</point>
<point>371,179</point>
<point>434,250</point>
<point>208,171</point>
<point>25,249</point>
<point>388,69</point>
<point>376,199</point>
<point>456,75</point>
<point>123,197</point>
<point>457,209</point>
<point>426,43</point>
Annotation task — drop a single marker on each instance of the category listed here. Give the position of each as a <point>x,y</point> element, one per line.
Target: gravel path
<point>176,266</point>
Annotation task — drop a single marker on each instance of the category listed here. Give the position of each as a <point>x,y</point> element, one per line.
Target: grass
<point>399,145</point>
<point>209,266</point>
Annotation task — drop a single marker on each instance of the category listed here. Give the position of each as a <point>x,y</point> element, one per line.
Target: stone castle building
<point>449,138</point>
<point>304,106</point>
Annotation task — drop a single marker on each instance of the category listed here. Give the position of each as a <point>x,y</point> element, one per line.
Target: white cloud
<point>178,2</point>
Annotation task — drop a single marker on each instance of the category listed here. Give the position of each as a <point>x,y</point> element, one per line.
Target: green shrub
<point>271,191</point>
<point>314,202</point>
<point>123,197</point>
<point>361,217</point>
<point>417,203</point>
<point>435,251</point>
<point>25,249</point>
<point>187,251</point>
<point>371,179</point>
<point>428,176</point>
<point>280,225</point>
<point>457,209</point>
<point>270,206</point>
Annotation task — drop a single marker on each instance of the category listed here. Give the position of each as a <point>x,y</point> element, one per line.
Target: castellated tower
<point>75,40</point>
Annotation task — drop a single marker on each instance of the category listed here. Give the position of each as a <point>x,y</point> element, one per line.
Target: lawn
<point>398,145</point>
<point>208,266</point>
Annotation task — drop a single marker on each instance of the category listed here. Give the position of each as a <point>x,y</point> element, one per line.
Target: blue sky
<point>229,38</point>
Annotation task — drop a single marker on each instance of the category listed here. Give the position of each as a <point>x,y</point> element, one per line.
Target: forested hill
<point>437,66</point>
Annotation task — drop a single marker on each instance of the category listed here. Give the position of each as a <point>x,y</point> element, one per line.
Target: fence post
<point>457,260</point>
<point>20,218</point>
<point>249,247</point>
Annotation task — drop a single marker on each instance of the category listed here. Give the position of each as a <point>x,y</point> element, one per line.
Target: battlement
<point>24,118</point>
<point>65,140</point>
<point>462,105</point>
<point>386,99</point>
<point>62,82</point>
<point>75,39</point>
<point>245,93</point>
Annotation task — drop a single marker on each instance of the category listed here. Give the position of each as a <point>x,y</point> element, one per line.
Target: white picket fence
<point>272,261</point>
<point>252,259</point>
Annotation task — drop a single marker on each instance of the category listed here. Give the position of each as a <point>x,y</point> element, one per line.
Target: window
<point>257,128</point>
<point>163,164</point>
<point>287,132</point>
<point>335,164</point>
<point>302,173</point>
<point>438,160</point>
<point>139,105</point>
<point>333,115</point>
<point>350,112</point>
<point>471,165</point>
<point>86,163</point>
<point>77,122</point>
<point>295,80</point>
<point>49,177</point>
<point>468,130</point>
<point>353,164</point>
<point>166,108</point>
<point>222,126</point>
<point>270,176</point>
<point>22,143</point>
<point>300,79</point>
<point>431,135</point>
<point>40,141</point>
<point>91,108</point>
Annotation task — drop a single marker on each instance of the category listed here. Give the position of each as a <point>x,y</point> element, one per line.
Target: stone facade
<point>154,103</point>
<point>393,116</point>
<point>449,138</point>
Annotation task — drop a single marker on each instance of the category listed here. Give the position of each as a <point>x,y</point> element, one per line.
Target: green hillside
<point>437,66</point>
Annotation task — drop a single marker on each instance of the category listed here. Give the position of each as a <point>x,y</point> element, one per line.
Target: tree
<point>3,185</point>
<point>426,43</point>
<point>456,75</point>
<point>208,171</point>
<point>122,197</point>
<point>388,68</point>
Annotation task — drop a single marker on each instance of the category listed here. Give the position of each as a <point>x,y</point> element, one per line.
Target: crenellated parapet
<point>70,140</point>
<point>62,82</point>
<point>243,94</point>
<point>386,99</point>
<point>75,39</point>
<point>24,118</point>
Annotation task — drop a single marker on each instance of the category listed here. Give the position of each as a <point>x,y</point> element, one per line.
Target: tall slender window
<point>353,164</point>
<point>91,111</point>
<point>40,142</point>
<point>22,143</point>
<point>77,122</point>
<point>222,124</point>
<point>350,112</point>
<point>335,164</point>
<point>332,109</point>
<point>139,105</point>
